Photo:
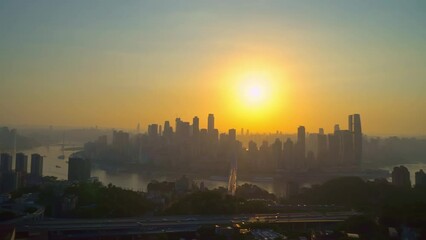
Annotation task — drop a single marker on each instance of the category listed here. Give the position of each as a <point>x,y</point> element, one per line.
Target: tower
<point>301,146</point>
<point>21,163</point>
<point>6,163</point>
<point>195,126</point>
<point>36,165</point>
<point>210,123</point>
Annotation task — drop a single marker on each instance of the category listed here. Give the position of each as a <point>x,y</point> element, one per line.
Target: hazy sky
<point>117,63</point>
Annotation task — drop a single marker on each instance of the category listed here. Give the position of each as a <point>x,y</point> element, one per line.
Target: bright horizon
<point>258,65</point>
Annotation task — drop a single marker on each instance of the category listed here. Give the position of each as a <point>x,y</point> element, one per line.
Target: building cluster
<point>78,169</point>
<point>401,177</point>
<point>12,179</point>
<point>189,146</point>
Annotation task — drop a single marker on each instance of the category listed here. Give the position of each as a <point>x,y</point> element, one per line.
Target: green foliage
<point>204,202</point>
<point>250,191</point>
<point>96,200</point>
<point>394,206</point>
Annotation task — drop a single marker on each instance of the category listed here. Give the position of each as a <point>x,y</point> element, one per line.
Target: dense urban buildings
<point>12,179</point>
<point>188,146</point>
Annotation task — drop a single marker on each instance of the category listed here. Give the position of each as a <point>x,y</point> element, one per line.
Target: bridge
<point>140,226</point>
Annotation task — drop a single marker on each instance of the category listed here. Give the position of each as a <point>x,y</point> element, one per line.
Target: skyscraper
<point>21,163</point>
<point>36,165</point>
<point>153,130</point>
<point>301,146</point>
<point>356,129</point>
<point>288,153</point>
<point>195,126</point>
<point>210,123</point>
<point>78,169</point>
<point>5,162</point>
<point>420,178</point>
<point>232,134</point>
<point>401,177</point>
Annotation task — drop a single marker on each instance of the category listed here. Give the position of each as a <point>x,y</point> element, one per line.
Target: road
<point>179,223</point>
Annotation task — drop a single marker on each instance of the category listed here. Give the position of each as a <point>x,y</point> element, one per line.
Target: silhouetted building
<point>78,169</point>
<point>232,135</point>
<point>420,178</point>
<point>346,147</point>
<point>120,139</point>
<point>36,165</point>
<point>21,163</point>
<point>168,130</point>
<point>288,153</point>
<point>401,177</point>
<point>300,151</point>
<point>336,128</point>
<point>195,126</point>
<point>355,128</point>
<point>210,123</point>
<point>5,162</point>
<point>321,147</point>
<point>277,151</point>
<point>153,130</point>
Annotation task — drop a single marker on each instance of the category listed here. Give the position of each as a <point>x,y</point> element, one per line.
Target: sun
<point>254,93</point>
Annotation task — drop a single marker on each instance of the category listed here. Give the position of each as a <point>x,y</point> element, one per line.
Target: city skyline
<point>258,65</point>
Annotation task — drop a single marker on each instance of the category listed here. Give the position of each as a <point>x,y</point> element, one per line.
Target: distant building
<point>21,163</point>
<point>288,153</point>
<point>300,148</point>
<point>5,162</point>
<point>232,134</point>
<point>195,126</point>
<point>153,130</point>
<point>401,177</point>
<point>120,139</point>
<point>420,178</point>
<point>36,165</point>
<point>210,123</point>
<point>78,169</point>
<point>355,128</point>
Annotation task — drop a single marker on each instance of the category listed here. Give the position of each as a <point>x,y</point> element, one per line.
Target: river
<point>53,166</point>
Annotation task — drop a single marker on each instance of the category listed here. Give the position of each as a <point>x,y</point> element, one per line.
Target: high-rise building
<point>78,169</point>
<point>288,153</point>
<point>420,178</point>
<point>21,163</point>
<point>210,123</point>
<point>232,134</point>
<point>5,162</point>
<point>36,165</point>
<point>346,147</point>
<point>355,128</point>
<point>401,177</point>
<point>322,147</point>
<point>336,128</point>
<point>195,126</point>
<point>153,130</point>
<point>277,151</point>
<point>168,131</point>
<point>333,148</point>
<point>300,151</point>
<point>120,139</point>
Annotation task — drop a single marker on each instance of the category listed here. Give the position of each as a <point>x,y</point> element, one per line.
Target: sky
<point>261,65</point>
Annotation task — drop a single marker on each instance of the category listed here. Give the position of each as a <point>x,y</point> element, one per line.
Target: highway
<point>178,223</point>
